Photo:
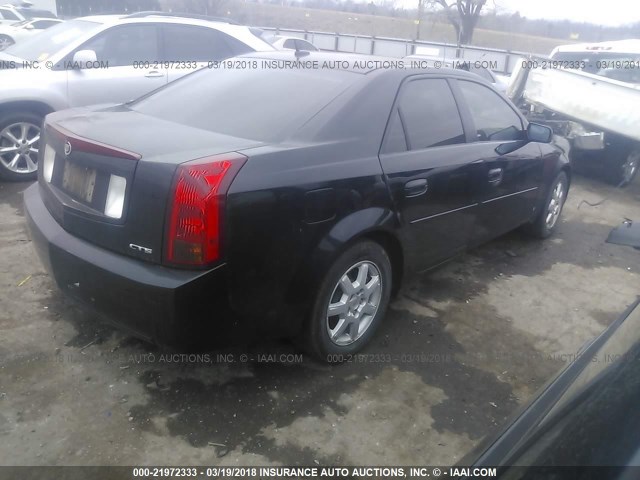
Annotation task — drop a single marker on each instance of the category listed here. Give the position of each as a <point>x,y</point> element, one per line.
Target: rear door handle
<point>495,175</point>
<point>416,187</point>
<point>154,74</point>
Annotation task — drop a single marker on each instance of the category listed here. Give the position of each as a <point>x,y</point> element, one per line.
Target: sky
<point>601,12</point>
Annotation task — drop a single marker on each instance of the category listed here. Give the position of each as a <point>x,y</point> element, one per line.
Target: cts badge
<point>140,249</point>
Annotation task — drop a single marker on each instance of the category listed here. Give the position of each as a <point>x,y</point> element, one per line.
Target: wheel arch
<point>37,107</point>
<point>566,168</point>
<point>376,224</point>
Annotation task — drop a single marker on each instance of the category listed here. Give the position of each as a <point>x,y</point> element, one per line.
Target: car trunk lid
<point>107,175</point>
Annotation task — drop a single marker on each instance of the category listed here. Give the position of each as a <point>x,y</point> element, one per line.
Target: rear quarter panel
<point>289,213</point>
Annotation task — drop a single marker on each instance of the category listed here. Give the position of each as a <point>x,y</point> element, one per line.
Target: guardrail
<point>503,61</point>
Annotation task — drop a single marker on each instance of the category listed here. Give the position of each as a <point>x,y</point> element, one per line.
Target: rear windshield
<point>257,104</point>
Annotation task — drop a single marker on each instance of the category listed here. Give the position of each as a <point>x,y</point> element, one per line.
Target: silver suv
<point>101,59</point>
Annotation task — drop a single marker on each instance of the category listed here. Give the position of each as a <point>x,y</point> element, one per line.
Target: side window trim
<point>403,126</point>
<point>468,125</point>
<point>387,128</point>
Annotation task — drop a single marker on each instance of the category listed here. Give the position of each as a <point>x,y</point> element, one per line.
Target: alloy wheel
<point>354,303</point>
<point>555,205</point>
<point>630,167</point>
<point>5,42</point>
<point>19,144</point>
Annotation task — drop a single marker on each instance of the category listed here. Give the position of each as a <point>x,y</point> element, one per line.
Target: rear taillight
<point>197,207</point>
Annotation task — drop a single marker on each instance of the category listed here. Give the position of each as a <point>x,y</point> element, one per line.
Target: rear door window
<point>198,44</point>
<point>125,45</point>
<point>493,117</point>
<point>427,110</point>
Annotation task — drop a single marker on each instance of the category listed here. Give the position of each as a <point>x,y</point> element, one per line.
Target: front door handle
<point>416,187</point>
<point>154,74</point>
<point>495,175</point>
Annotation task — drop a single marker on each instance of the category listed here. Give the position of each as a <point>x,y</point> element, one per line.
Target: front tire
<point>5,41</point>
<point>547,220</point>
<point>626,168</point>
<point>351,302</point>
<point>19,146</point>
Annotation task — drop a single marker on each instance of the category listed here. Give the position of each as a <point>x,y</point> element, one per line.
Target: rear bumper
<point>171,307</point>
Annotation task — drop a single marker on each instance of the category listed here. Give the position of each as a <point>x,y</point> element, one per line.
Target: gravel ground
<point>461,349</point>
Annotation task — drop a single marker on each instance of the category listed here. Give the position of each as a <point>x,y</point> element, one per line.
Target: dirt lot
<point>460,350</point>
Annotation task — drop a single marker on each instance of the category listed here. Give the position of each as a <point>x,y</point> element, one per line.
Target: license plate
<point>79,181</point>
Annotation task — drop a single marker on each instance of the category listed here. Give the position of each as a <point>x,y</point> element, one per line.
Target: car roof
<point>241,32</point>
<point>157,18</point>
<point>349,62</point>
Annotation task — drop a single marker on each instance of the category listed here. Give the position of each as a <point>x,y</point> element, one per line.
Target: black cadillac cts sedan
<point>283,201</point>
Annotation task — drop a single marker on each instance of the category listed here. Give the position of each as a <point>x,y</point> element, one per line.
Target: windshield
<point>256,104</point>
<point>51,40</point>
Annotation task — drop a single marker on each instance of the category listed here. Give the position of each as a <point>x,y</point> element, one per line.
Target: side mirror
<point>29,27</point>
<point>539,133</point>
<point>82,57</point>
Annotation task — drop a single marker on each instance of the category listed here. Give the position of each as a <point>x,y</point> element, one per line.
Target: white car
<point>10,34</point>
<point>10,14</point>
<point>101,59</point>
<point>290,43</point>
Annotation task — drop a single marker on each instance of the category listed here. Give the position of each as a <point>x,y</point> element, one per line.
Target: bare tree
<point>462,14</point>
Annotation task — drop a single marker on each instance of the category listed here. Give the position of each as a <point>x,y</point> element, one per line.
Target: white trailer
<point>590,95</point>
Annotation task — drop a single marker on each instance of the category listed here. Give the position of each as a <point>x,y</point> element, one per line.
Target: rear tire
<point>549,216</point>
<point>351,302</point>
<point>19,145</point>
